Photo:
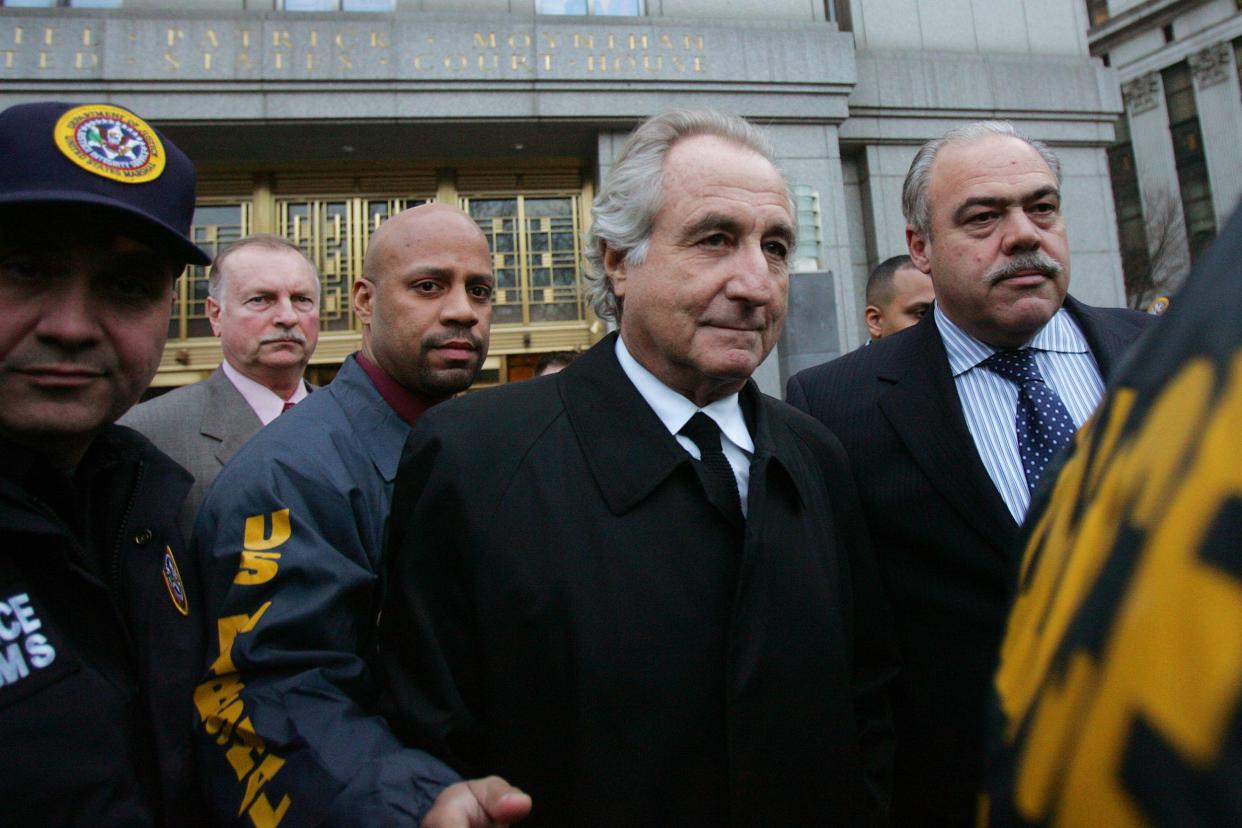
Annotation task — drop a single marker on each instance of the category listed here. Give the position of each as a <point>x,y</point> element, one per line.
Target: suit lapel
<point>227,417</point>
<point>923,407</point>
<point>1107,342</point>
<point>627,448</point>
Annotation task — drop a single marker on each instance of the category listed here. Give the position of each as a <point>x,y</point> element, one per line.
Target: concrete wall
<point>1134,40</point>
<point>1045,27</point>
<point>920,66</point>
<point>807,10</point>
<point>904,98</point>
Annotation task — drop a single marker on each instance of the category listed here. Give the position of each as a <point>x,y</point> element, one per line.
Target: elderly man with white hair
<point>639,589</point>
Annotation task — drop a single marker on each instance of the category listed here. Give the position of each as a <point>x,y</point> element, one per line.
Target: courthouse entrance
<point>534,219</point>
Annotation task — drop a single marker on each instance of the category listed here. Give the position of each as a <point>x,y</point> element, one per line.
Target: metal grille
<point>534,242</point>
<point>334,233</point>
<point>216,225</point>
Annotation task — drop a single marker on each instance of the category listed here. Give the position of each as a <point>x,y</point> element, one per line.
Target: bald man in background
<point>290,540</point>
<point>898,294</point>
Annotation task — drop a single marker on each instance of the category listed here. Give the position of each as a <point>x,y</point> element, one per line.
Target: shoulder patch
<point>110,142</point>
<point>172,580</point>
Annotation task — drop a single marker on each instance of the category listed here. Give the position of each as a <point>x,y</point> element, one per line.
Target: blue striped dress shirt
<point>990,401</point>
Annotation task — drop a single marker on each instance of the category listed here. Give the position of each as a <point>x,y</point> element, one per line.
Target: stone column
<point>1153,149</point>
<point>1219,101</point>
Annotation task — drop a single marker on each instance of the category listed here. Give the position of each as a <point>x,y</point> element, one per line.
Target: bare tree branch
<point>1167,261</point>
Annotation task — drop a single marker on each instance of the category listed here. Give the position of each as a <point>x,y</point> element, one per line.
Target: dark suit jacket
<point>944,539</point>
<point>200,426</point>
<point>568,609</point>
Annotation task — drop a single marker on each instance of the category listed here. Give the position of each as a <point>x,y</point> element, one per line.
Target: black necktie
<point>703,430</point>
<point>1042,422</point>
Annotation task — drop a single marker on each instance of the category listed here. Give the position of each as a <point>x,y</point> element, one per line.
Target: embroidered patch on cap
<point>172,580</point>
<point>111,142</point>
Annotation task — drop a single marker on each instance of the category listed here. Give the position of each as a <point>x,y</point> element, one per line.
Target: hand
<point>478,803</point>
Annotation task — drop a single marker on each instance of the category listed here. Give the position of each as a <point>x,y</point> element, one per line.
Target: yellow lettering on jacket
<point>227,629</point>
<point>256,536</point>
<point>256,567</point>
<point>1174,644</point>
<point>262,815</point>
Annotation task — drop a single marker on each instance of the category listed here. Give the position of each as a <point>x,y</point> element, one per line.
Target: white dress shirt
<point>990,401</point>
<point>675,411</point>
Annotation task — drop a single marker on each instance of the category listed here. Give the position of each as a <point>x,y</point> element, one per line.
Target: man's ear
<point>918,245</point>
<point>615,267</point>
<point>213,315</point>
<point>364,293</point>
<point>874,318</point>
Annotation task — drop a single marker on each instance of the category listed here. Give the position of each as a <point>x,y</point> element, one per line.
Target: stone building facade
<point>1177,160</point>
<point>318,123</point>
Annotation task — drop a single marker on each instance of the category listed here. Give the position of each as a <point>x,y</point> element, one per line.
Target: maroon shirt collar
<point>408,405</point>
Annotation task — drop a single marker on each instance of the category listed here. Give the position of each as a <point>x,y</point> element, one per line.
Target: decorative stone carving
<point>1212,65</point>
<point>1142,94</point>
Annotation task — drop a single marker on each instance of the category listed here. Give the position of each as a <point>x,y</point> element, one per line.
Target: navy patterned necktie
<point>703,430</point>
<point>1042,421</point>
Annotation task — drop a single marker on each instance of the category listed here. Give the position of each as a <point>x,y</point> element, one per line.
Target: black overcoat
<point>567,609</point>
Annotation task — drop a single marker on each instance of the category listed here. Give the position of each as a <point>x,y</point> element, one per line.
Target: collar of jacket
<point>164,487</point>
<point>601,403</point>
<point>368,415</point>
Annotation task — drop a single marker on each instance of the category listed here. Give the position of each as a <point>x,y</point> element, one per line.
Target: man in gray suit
<point>263,303</point>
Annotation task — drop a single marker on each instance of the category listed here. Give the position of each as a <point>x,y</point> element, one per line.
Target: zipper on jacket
<point>114,564</point>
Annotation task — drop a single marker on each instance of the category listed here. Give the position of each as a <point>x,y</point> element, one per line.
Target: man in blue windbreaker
<point>290,539</point>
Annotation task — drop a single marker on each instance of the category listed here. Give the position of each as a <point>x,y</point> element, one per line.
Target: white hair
<point>632,193</point>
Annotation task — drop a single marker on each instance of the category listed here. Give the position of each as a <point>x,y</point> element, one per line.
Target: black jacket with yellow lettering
<point>100,639</point>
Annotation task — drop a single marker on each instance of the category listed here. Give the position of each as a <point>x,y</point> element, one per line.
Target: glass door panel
<point>534,242</point>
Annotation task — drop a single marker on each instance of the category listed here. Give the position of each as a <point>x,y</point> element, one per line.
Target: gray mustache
<point>1025,262</point>
<point>292,336</point>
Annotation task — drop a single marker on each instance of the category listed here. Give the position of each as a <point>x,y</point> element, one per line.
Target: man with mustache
<point>101,624</point>
<point>290,540</point>
<point>263,304</point>
<point>949,426</point>
<point>639,588</point>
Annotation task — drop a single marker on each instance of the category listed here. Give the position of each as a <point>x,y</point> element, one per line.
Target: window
<point>333,232</point>
<point>1131,225</point>
<point>809,255</point>
<point>838,11</point>
<point>535,243</point>
<point>217,223</point>
<point>61,4</point>
<point>1097,12</point>
<point>338,5</point>
<point>600,8</point>
<point>1237,56</point>
<point>1192,175</point>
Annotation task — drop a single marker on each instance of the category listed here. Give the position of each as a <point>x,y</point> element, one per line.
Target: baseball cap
<point>102,155</point>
